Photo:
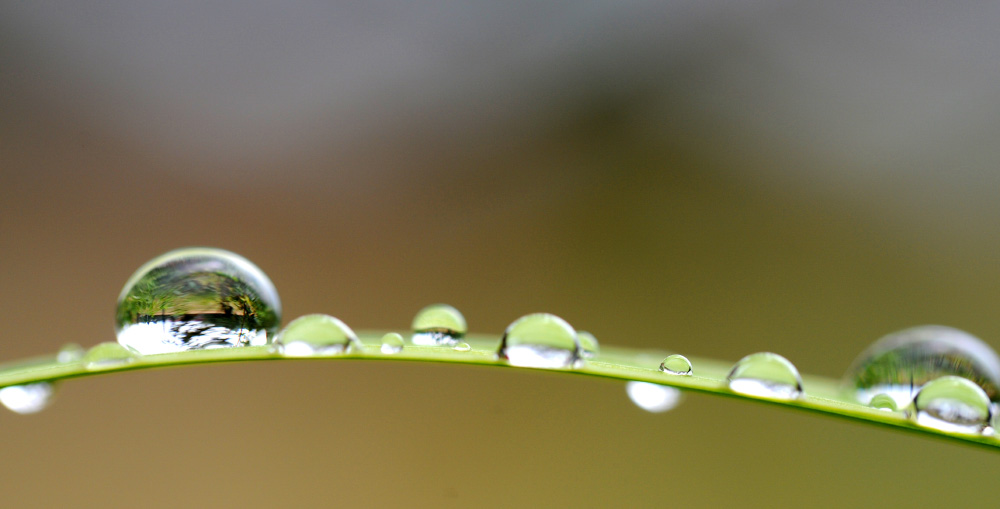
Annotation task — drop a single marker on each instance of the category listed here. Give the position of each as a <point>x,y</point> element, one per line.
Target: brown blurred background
<point>714,178</point>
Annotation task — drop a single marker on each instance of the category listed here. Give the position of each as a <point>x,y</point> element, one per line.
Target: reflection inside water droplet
<point>540,340</point>
<point>28,398</point>
<point>653,397</point>
<point>901,363</point>
<point>766,375</point>
<point>196,298</point>
<point>107,356</point>
<point>317,334</point>
<point>952,404</point>
<point>438,325</point>
<point>589,347</point>
<point>392,343</point>
<point>676,365</point>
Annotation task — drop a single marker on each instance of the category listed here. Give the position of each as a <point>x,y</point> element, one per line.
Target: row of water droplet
<point>201,298</point>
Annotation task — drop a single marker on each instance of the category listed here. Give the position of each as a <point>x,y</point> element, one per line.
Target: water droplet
<point>653,397</point>
<point>392,343</point>
<point>766,375</point>
<point>70,352</point>
<point>438,325</point>
<point>540,340</point>
<point>107,355</point>
<point>676,365</point>
<point>317,335</point>
<point>463,347</point>
<point>952,404</point>
<point>901,363</point>
<point>885,402</point>
<point>27,398</point>
<point>196,298</point>
<point>589,347</point>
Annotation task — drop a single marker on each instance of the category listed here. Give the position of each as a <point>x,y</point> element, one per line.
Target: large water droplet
<point>589,347</point>
<point>766,375</point>
<point>952,404</point>
<point>317,335</point>
<point>653,397</point>
<point>27,398</point>
<point>197,298</point>
<point>392,343</point>
<point>106,356</point>
<point>901,363</point>
<point>540,340</point>
<point>438,325</point>
<point>676,365</point>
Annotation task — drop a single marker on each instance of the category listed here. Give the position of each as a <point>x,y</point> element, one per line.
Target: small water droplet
<point>589,347</point>
<point>438,325</point>
<point>463,347</point>
<point>766,375</point>
<point>540,340</point>
<point>196,298</point>
<point>676,365</point>
<point>317,335</point>
<point>106,356</point>
<point>952,404</point>
<point>71,352</point>
<point>901,363</point>
<point>884,402</point>
<point>392,343</point>
<point>653,397</point>
<point>27,398</point>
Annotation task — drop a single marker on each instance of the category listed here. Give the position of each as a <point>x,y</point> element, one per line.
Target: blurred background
<point>713,178</point>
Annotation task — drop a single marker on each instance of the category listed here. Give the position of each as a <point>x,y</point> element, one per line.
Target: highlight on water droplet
<point>71,352</point>
<point>438,325</point>
<point>902,362</point>
<point>392,343</point>
<point>317,334</point>
<point>766,375</point>
<point>952,404</point>
<point>196,298</point>
<point>884,402</point>
<point>27,398</point>
<point>676,365</point>
<point>540,340</point>
<point>589,348</point>
<point>107,355</point>
<point>653,397</point>
<point>462,347</point>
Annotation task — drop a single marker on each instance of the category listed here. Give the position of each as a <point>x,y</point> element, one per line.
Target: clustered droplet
<point>317,334</point>
<point>438,325</point>
<point>766,375</point>
<point>392,343</point>
<point>676,365</point>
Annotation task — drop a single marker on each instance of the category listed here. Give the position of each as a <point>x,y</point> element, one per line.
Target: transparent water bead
<point>71,352</point>
<point>676,365</point>
<point>438,325</point>
<point>196,298</point>
<point>883,402</point>
<point>589,347</point>
<point>952,404</point>
<point>901,363</point>
<point>317,335</point>
<point>392,343</point>
<point>653,397</point>
<point>106,356</point>
<point>766,375</point>
<point>462,347</point>
<point>540,340</point>
<point>27,398</point>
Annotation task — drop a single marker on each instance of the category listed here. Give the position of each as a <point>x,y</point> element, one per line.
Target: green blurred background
<point>713,178</point>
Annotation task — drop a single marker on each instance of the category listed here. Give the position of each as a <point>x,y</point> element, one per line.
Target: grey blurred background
<point>713,178</point>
